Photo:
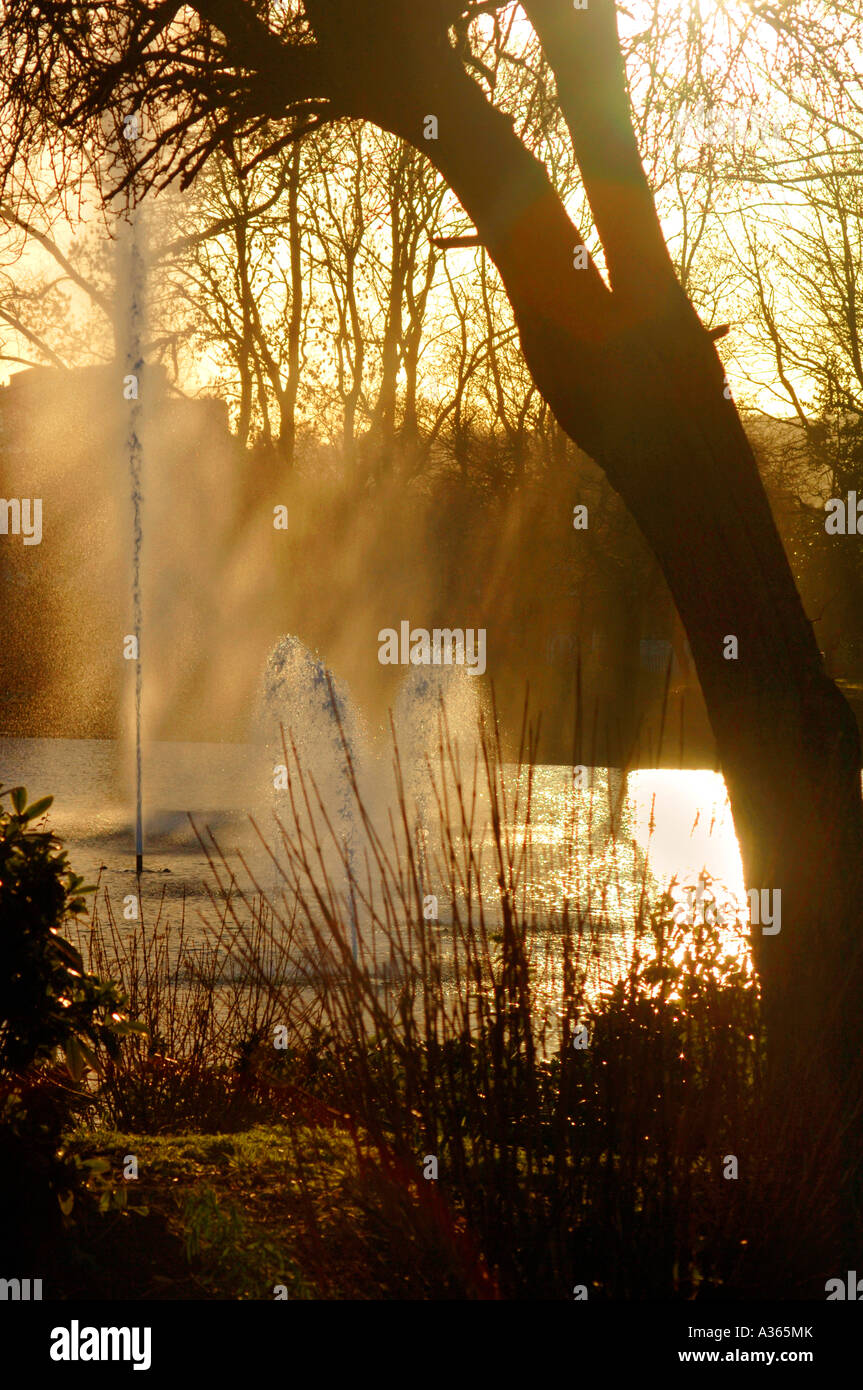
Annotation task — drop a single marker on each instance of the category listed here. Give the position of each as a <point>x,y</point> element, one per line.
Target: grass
<point>238,1214</point>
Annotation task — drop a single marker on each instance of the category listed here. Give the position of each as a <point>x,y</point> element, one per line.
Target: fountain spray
<point>134,366</point>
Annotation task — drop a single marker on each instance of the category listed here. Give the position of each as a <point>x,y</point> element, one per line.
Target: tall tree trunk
<point>244,348</point>
<point>383,428</point>
<point>288,396</point>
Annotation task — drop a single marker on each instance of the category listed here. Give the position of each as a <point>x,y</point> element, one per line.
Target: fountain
<point>305,711</point>
<point>312,711</point>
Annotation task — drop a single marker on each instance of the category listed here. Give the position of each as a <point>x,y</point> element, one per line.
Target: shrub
<point>50,1008</point>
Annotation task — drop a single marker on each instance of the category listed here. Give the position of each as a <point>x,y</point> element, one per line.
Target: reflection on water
<point>683,821</point>
<point>605,850</point>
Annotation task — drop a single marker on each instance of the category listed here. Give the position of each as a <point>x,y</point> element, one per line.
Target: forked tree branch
<point>583,50</point>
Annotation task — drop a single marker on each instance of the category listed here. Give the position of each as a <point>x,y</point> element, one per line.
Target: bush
<point>50,1008</point>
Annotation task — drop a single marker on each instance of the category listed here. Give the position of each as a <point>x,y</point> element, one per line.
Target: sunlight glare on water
<point>682,821</point>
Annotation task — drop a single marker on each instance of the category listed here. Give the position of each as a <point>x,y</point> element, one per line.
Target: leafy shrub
<point>50,1007</point>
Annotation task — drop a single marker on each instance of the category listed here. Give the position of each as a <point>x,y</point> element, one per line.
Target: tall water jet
<point>305,709</point>
<point>437,719</point>
<point>132,284</point>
